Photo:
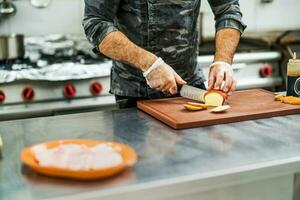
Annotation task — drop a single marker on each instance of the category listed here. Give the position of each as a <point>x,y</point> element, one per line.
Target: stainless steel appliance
<point>25,98</point>
<point>56,76</point>
<point>11,46</point>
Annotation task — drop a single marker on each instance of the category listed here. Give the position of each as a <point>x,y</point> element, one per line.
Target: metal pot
<point>11,46</point>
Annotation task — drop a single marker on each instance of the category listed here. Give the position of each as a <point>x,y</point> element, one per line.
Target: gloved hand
<point>221,72</point>
<point>163,78</point>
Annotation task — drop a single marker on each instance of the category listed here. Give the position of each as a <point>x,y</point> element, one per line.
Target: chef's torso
<point>167,28</point>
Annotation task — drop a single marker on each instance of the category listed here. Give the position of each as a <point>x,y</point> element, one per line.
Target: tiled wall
<point>64,16</point>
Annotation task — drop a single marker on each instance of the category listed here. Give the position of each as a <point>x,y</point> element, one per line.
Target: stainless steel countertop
<point>49,108</point>
<point>185,160</point>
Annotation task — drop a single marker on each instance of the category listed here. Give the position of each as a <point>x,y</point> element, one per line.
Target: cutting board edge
<point>236,119</point>
<point>154,113</point>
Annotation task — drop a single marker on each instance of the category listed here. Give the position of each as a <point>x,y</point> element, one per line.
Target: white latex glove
<point>163,78</point>
<point>221,73</point>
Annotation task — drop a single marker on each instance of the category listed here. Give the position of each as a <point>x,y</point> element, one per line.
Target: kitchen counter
<point>256,159</point>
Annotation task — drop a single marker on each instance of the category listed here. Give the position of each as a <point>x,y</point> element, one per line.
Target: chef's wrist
<point>146,60</point>
<point>224,63</point>
<point>156,64</point>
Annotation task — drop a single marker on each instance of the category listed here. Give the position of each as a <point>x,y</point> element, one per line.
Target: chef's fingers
<point>162,86</point>
<point>173,88</point>
<point>233,87</point>
<point>167,83</point>
<point>211,80</point>
<point>178,79</point>
<point>228,82</point>
<point>155,84</point>
<point>219,80</point>
<point>168,86</point>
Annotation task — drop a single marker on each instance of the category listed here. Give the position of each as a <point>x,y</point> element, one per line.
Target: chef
<point>154,45</point>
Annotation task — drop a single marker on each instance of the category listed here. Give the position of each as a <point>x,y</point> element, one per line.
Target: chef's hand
<point>163,78</point>
<point>221,72</point>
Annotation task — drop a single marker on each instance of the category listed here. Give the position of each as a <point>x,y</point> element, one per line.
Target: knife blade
<point>191,92</point>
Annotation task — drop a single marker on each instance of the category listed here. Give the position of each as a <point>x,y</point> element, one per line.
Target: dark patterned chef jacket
<point>167,28</point>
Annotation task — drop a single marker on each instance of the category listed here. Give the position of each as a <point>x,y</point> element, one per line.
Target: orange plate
<point>128,154</point>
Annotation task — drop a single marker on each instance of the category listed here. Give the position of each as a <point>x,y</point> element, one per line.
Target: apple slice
<point>198,104</point>
<point>215,97</point>
<point>279,97</point>
<point>220,109</point>
<point>193,108</point>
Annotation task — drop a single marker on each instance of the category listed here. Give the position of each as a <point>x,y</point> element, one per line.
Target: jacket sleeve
<point>99,19</point>
<point>227,14</point>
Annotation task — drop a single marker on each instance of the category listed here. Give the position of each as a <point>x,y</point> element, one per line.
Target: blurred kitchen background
<point>57,73</point>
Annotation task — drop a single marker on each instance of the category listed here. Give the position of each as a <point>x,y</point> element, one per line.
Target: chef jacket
<point>167,28</point>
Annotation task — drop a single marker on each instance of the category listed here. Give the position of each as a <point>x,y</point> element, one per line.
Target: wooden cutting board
<point>245,105</point>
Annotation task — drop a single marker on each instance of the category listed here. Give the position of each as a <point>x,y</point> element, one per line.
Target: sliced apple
<point>279,97</point>
<point>198,104</point>
<point>215,97</point>
<point>220,109</point>
<point>193,108</point>
<point>291,100</point>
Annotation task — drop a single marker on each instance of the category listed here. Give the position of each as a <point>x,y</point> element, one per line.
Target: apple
<point>193,108</point>
<point>198,104</point>
<point>215,97</point>
<point>220,109</point>
<point>279,97</point>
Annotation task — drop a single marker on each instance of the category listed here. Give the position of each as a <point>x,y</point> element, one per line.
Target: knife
<point>191,92</point>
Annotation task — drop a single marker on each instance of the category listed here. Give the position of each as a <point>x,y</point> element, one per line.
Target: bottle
<point>293,77</point>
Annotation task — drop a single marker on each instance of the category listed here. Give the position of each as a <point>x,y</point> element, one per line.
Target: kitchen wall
<point>64,16</point>
<point>279,15</point>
